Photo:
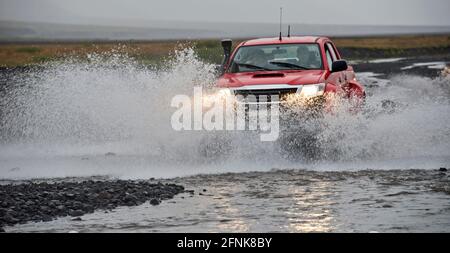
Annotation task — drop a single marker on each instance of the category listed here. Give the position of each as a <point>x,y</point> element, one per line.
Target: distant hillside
<point>163,30</point>
<point>23,31</point>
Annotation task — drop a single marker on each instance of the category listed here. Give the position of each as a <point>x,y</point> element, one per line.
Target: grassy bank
<point>152,52</point>
<point>387,47</point>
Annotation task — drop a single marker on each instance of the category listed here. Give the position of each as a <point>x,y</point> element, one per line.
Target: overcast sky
<point>365,12</point>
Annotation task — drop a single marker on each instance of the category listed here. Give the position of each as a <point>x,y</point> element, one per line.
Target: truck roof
<point>285,40</point>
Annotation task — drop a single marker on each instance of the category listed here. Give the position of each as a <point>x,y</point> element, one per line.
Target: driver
<point>307,58</point>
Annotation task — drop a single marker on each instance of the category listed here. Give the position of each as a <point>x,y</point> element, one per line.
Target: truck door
<point>340,79</point>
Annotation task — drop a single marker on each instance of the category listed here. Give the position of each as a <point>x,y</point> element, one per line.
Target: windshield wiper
<point>288,64</point>
<point>251,66</point>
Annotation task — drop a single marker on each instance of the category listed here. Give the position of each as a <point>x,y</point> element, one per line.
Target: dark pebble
<point>154,202</point>
<point>103,195</point>
<point>70,195</point>
<point>47,218</point>
<point>29,203</point>
<point>443,169</point>
<point>77,219</point>
<point>76,213</point>
<point>130,198</point>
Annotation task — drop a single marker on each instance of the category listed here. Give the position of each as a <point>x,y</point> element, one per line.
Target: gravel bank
<point>24,202</point>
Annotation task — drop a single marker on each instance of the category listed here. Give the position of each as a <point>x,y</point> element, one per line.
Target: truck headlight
<point>223,93</point>
<point>218,96</point>
<point>312,90</point>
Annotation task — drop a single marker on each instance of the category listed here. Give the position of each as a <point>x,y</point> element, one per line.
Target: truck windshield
<point>276,57</point>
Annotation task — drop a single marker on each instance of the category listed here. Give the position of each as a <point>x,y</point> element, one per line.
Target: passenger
<point>257,57</point>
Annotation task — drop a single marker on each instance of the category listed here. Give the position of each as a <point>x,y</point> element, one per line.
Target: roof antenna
<point>281,18</point>
<point>289,31</point>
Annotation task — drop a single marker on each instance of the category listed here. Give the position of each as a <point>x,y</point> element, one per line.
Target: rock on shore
<point>21,203</point>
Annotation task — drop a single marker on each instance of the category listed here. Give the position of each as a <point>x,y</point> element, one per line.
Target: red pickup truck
<point>301,66</point>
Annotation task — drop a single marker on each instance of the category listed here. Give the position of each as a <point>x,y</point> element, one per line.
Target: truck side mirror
<point>226,45</point>
<point>339,66</point>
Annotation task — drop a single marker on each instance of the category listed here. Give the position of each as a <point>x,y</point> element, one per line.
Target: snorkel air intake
<point>226,45</point>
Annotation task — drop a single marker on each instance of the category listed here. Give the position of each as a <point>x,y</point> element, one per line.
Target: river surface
<point>378,170</point>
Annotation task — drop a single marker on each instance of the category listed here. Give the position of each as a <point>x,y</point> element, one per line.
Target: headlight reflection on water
<point>310,211</point>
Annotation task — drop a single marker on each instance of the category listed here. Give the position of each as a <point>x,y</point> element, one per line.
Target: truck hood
<point>234,80</point>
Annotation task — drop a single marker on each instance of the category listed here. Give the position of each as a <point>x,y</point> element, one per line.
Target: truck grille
<point>263,95</point>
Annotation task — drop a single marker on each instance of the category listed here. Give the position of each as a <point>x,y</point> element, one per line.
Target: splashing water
<point>111,115</point>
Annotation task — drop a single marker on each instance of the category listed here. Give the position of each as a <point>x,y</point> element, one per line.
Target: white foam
<point>66,117</point>
<point>386,60</point>
<point>430,65</point>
